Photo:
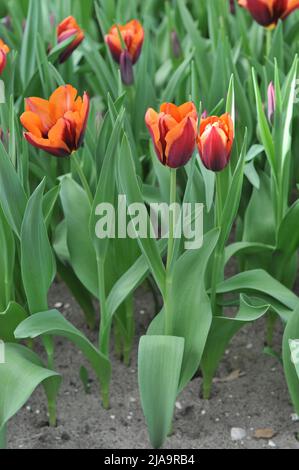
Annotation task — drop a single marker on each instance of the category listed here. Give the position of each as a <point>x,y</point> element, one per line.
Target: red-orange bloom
<point>173,132</point>
<point>215,140</point>
<point>268,12</point>
<point>57,125</point>
<point>4,50</point>
<point>67,28</point>
<point>132,34</point>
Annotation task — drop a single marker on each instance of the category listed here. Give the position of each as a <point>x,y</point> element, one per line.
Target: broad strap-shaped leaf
<point>37,259</point>
<point>106,188</point>
<point>77,209</point>
<point>7,261</point>
<point>159,367</point>
<point>29,43</point>
<point>21,373</point>
<point>129,184</point>
<point>222,331</point>
<point>52,323</point>
<point>12,195</point>
<point>291,357</point>
<point>9,320</point>
<point>259,281</point>
<point>241,248</point>
<point>130,280</point>
<point>190,304</point>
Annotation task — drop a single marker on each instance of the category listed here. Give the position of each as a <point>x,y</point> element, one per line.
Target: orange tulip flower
<point>57,125</point>
<point>67,28</point>
<point>268,12</point>
<point>215,140</point>
<point>173,132</point>
<point>126,51</point>
<point>4,50</point>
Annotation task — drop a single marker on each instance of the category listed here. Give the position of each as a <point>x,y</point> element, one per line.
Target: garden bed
<point>257,399</point>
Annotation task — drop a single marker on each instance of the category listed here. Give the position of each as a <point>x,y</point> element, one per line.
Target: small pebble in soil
<point>112,417</point>
<point>237,434</point>
<point>58,305</point>
<point>132,399</point>
<point>294,417</point>
<point>217,420</point>
<point>203,412</point>
<point>37,412</point>
<point>142,312</point>
<point>28,408</point>
<point>67,306</point>
<point>249,346</point>
<point>227,351</point>
<point>178,405</point>
<point>271,444</point>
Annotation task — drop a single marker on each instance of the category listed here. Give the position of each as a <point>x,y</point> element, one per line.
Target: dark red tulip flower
<point>268,12</point>
<point>173,131</point>
<point>215,141</point>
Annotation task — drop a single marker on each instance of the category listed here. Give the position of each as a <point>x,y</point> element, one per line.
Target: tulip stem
<point>218,255</point>
<point>82,177</point>
<point>168,283</point>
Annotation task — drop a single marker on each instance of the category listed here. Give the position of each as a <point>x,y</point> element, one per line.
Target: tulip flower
<point>268,12</point>
<point>271,102</point>
<point>57,125</point>
<point>215,140</point>
<point>125,44</point>
<point>173,131</point>
<point>67,28</point>
<point>4,50</point>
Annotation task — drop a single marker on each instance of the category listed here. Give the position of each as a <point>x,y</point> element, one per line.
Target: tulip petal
<point>42,108</point>
<point>62,100</point>
<point>152,123</point>
<point>45,145</point>
<point>213,151</point>
<point>32,123</point>
<point>180,143</point>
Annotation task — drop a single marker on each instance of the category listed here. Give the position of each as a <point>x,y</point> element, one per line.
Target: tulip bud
<point>126,68</point>
<point>176,45</point>
<point>271,102</point>
<point>232,7</point>
<point>125,44</point>
<point>173,132</point>
<point>66,29</point>
<point>215,140</point>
